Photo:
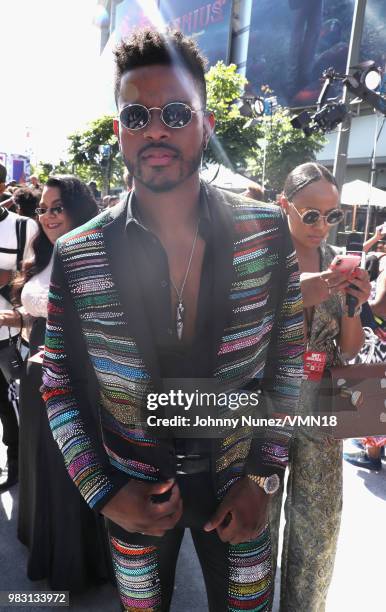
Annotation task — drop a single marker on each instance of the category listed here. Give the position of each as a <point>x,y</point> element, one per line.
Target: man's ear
<point>116,127</point>
<point>209,125</point>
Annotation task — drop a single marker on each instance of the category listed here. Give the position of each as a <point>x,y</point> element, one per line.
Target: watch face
<point>271,484</point>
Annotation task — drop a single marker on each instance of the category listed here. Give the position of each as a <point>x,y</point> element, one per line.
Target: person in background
<point>34,182</point>
<point>26,201</point>
<point>377,238</point>
<point>94,190</point>
<point>113,201</point>
<point>64,537</point>
<point>105,201</point>
<point>16,234</point>
<point>254,191</point>
<point>375,259</point>
<point>368,451</point>
<point>4,194</point>
<point>310,201</point>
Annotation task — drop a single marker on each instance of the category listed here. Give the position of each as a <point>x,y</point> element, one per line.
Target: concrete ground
<point>359,577</point>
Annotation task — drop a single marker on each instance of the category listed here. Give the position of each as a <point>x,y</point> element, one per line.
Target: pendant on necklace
<point>180,319</point>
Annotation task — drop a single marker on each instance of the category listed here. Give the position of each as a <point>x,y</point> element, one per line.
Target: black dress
<point>67,542</point>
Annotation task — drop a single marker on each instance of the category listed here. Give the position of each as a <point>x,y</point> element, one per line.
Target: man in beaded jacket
<point>116,286</point>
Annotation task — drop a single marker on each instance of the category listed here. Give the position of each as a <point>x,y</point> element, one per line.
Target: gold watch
<point>269,484</point>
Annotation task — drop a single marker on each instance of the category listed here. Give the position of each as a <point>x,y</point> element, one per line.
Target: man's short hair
<point>3,173</point>
<point>148,47</point>
<point>26,200</point>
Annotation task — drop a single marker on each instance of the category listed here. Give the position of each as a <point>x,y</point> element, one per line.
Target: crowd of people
<point>178,281</point>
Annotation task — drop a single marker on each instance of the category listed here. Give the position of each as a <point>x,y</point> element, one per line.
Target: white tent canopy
<point>220,176</point>
<point>361,193</point>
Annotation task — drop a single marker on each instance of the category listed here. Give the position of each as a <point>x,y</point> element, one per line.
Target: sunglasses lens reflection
<point>311,217</point>
<point>134,117</point>
<point>335,217</point>
<point>176,115</point>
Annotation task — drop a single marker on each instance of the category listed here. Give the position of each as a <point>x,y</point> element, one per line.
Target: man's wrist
<point>269,484</point>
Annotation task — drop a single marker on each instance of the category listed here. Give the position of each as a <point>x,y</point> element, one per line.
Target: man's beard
<point>186,170</point>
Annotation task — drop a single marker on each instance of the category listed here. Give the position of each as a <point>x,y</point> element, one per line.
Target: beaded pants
<point>237,577</point>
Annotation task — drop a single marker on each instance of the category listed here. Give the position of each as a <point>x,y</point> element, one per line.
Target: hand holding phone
<point>345,263</point>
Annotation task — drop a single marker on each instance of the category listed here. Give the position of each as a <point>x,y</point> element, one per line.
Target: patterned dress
<point>314,489</point>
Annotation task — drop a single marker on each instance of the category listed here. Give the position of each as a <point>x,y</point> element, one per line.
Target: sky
<point>52,84</point>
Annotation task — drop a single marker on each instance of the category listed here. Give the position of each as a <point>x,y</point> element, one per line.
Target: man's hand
<point>133,508</point>
<point>242,514</point>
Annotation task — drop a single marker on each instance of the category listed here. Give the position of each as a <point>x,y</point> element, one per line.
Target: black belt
<point>192,464</point>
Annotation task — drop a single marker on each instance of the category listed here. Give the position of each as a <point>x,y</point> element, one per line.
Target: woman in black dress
<point>66,540</point>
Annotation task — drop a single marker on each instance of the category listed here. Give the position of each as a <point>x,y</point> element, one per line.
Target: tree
<point>44,169</point>
<point>271,146</point>
<point>285,148</point>
<point>233,142</point>
<point>86,158</point>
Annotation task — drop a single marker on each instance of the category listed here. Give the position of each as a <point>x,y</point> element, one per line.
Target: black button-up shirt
<point>176,359</point>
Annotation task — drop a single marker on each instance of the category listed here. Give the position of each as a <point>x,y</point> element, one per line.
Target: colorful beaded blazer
<point>91,304</point>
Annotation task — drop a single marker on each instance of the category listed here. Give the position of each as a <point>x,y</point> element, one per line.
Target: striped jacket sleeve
<point>284,366</point>
<point>66,386</point>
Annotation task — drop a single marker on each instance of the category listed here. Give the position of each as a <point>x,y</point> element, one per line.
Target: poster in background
<point>208,22</point>
<point>373,45</point>
<point>18,168</point>
<point>291,43</point>
<point>131,14</point>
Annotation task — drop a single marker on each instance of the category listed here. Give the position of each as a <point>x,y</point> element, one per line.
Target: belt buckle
<point>181,459</point>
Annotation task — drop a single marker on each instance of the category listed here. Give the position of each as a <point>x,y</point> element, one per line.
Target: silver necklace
<point>180,311</point>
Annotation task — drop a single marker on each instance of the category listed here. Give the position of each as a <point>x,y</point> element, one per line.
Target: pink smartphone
<point>345,263</point>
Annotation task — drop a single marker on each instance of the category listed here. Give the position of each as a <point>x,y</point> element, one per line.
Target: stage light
<point>368,74</point>
<point>259,106</point>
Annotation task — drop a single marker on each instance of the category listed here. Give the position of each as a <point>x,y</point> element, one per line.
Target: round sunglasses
<point>174,115</point>
<point>55,210</point>
<point>312,216</point>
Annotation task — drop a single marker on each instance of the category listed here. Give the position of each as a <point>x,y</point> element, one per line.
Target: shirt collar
<point>204,223</point>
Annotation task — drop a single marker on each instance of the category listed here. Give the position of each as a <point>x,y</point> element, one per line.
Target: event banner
<point>208,22</point>
<point>373,45</point>
<point>131,14</point>
<point>293,41</point>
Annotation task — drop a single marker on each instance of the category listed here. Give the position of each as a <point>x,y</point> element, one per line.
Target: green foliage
<point>86,159</point>
<point>44,169</point>
<point>233,142</point>
<point>285,149</point>
<point>242,148</point>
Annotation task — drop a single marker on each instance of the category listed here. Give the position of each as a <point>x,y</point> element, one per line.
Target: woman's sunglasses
<point>310,217</point>
<point>55,210</point>
<point>173,115</point>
